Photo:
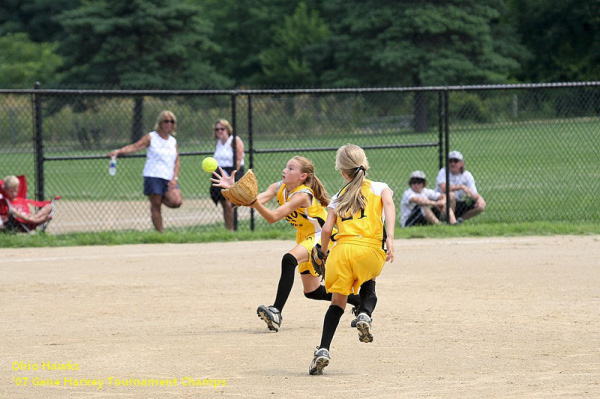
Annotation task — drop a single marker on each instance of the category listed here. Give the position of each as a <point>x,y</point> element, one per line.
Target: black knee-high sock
<point>354,300</point>
<point>368,298</point>
<point>332,319</point>
<point>286,281</point>
<point>320,294</point>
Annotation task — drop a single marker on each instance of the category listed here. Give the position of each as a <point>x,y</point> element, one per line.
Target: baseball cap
<point>455,155</point>
<point>417,174</point>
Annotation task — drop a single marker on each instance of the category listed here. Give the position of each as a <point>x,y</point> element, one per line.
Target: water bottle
<point>112,166</point>
<point>468,200</point>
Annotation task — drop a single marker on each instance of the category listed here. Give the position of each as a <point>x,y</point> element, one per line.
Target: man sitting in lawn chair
<point>14,207</point>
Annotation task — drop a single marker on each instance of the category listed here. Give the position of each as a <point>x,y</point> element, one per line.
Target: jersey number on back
<point>362,216</point>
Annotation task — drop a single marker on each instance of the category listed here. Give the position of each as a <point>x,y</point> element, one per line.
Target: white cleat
<point>363,325</point>
<point>320,361</point>
<point>271,316</point>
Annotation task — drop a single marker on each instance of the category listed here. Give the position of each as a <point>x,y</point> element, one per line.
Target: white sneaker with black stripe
<point>270,315</point>
<point>320,361</point>
<point>363,325</point>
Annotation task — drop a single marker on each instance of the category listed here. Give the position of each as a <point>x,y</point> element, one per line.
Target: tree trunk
<point>136,127</point>
<point>420,118</point>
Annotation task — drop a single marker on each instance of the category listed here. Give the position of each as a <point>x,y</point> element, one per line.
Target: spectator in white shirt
<point>161,171</point>
<point>228,161</point>
<point>421,205</point>
<point>466,201</point>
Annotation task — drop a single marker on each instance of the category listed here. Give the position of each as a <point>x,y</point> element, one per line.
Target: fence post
<point>38,143</point>
<point>250,151</point>
<point>440,129</point>
<point>234,126</point>
<point>446,150</point>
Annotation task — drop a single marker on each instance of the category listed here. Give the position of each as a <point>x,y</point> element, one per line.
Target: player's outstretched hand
<point>222,180</point>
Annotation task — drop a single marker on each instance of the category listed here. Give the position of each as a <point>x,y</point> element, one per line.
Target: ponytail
<point>351,199</point>
<point>318,189</point>
<point>352,161</point>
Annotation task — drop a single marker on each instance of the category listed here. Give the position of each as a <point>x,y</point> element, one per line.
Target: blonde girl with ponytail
<point>302,200</point>
<point>364,213</point>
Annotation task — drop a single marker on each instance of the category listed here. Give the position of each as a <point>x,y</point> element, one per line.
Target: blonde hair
<point>225,123</point>
<point>164,114</point>
<point>10,182</point>
<point>312,181</point>
<point>352,161</point>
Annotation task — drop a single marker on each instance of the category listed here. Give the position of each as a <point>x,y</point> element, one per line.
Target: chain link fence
<point>533,149</point>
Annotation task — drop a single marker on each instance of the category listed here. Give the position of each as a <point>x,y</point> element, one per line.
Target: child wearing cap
<point>466,201</point>
<point>421,205</point>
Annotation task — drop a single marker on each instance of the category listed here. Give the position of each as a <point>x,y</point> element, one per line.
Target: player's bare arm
<point>327,228</point>
<point>298,200</point>
<point>268,195</point>
<point>389,210</point>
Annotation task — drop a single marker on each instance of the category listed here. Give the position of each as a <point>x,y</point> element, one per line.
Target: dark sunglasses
<point>453,160</point>
<point>168,121</point>
<point>220,128</point>
<point>416,181</point>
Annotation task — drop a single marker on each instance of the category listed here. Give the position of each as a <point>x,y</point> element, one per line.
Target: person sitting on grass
<point>421,205</point>
<point>466,201</point>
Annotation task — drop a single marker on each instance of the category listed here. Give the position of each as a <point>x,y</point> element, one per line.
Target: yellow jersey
<point>365,227</point>
<point>307,221</point>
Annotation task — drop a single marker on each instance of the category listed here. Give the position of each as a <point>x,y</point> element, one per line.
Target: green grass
<point>283,232</point>
<point>531,174</point>
<point>132,237</point>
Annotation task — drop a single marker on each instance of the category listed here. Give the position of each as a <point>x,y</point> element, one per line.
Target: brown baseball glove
<point>318,259</point>
<point>244,191</point>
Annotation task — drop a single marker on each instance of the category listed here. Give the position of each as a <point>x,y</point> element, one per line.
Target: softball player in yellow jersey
<point>365,215</point>
<point>302,200</point>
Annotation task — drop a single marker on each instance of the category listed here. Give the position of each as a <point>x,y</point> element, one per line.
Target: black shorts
<point>215,192</point>
<point>462,207</point>
<point>416,217</point>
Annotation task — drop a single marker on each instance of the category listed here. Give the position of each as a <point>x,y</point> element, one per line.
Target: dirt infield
<point>456,318</point>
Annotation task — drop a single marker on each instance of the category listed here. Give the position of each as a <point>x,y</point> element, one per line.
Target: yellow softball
<point>209,164</point>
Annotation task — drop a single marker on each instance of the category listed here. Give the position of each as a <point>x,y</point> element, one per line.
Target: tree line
<point>224,44</point>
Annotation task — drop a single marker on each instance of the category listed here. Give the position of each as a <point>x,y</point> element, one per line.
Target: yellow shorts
<point>350,265</point>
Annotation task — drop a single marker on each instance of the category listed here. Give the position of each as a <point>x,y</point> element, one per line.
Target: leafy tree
<point>412,43</point>
<point>23,62</point>
<point>244,28</point>
<point>284,62</point>
<point>139,44</point>
<point>35,17</point>
<point>415,43</point>
<point>563,36</point>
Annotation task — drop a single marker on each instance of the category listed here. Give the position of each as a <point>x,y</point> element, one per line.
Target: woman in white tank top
<point>224,156</point>
<point>161,172</point>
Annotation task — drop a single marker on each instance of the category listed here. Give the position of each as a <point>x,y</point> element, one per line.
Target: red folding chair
<point>9,220</point>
